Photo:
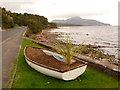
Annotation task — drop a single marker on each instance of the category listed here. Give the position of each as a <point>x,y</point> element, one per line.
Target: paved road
<point>11,41</point>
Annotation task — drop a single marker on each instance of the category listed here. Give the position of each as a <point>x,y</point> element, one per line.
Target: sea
<point>105,36</point>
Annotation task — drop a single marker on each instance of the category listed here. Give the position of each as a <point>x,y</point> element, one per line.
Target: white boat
<point>64,75</point>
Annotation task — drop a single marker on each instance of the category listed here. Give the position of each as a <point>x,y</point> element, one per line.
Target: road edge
<point>14,68</point>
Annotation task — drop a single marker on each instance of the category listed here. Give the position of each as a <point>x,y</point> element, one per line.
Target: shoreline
<point>48,38</point>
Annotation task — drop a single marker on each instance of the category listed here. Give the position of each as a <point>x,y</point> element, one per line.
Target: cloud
<point>17,5</point>
<point>18,1</point>
<point>105,10</point>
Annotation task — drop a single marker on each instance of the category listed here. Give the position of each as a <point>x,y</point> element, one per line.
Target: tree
<point>52,25</point>
<point>35,23</point>
<point>34,26</point>
<point>7,21</point>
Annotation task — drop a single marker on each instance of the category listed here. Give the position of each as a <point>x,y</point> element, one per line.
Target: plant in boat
<point>68,50</point>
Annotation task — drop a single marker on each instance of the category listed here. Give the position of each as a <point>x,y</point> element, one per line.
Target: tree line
<point>35,23</point>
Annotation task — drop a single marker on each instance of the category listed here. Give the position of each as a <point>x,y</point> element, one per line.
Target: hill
<point>77,21</point>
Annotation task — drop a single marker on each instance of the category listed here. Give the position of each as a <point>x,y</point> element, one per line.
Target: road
<point>11,41</point>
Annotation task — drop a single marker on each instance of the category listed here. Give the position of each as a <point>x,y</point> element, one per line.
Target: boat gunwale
<point>51,68</point>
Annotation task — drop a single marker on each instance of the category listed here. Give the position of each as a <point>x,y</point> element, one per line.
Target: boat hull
<point>68,75</point>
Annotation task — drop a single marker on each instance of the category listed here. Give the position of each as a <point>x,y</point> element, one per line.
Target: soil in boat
<point>38,56</point>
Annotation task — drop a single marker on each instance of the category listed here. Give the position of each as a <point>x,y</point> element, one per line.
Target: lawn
<point>26,77</point>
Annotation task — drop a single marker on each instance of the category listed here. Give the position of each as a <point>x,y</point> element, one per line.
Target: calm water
<point>96,35</point>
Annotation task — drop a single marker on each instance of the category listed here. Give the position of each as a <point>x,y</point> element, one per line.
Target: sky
<point>102,10</point>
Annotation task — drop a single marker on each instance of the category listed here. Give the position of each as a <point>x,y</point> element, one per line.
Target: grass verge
<point>13,70</point>
<point>26,77</point>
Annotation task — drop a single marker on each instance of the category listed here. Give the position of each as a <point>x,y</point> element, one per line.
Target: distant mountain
<point>77,21</point>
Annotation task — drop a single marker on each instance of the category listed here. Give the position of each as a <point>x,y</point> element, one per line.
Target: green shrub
<point>34,26</point>
<point>52,25</point>
<point>28,33</point>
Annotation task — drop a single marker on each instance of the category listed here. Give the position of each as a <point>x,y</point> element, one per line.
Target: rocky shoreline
<point>48,38</point>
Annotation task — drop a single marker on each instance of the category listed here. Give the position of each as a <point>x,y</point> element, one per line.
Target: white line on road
<point>8,39</point>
